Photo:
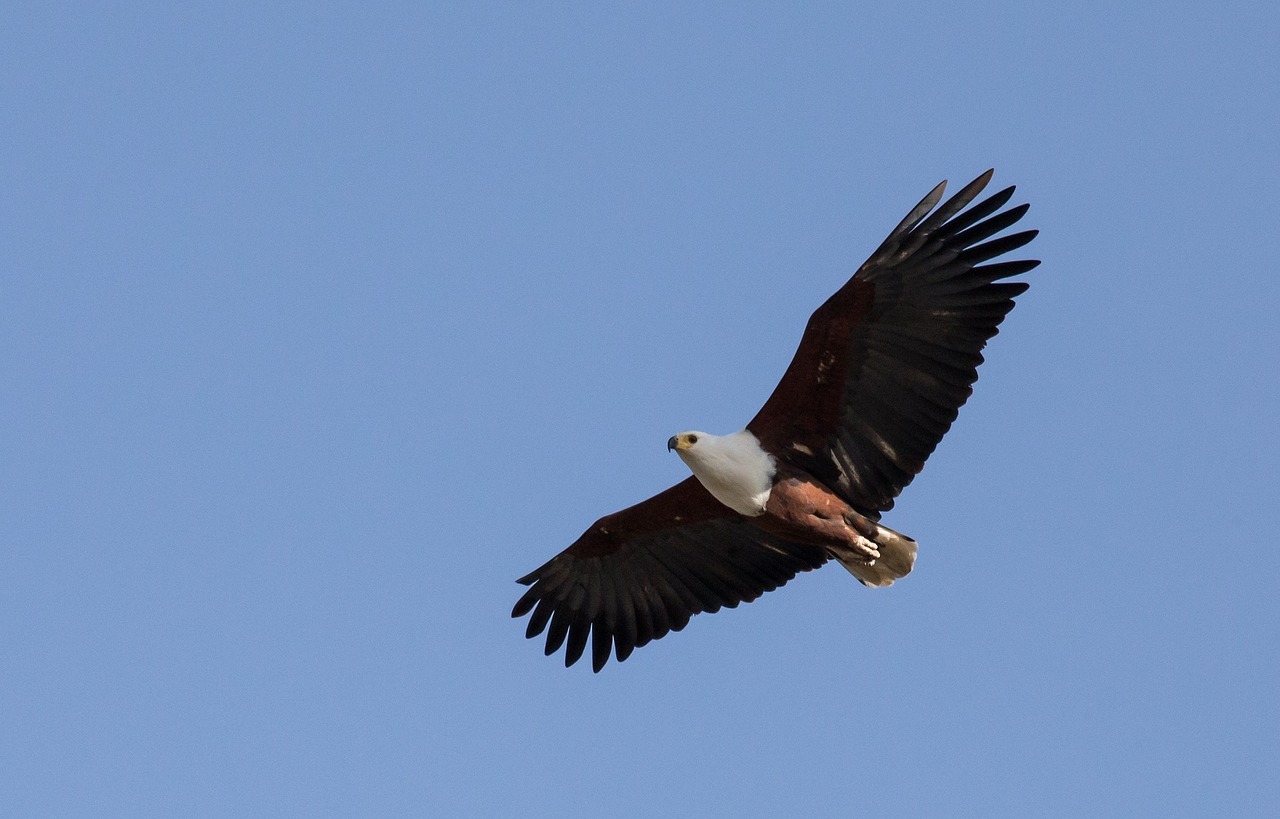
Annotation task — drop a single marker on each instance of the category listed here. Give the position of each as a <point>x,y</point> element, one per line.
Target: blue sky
<point>319,326</point>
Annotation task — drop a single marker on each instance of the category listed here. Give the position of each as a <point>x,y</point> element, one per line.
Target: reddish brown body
<point>800,508</point>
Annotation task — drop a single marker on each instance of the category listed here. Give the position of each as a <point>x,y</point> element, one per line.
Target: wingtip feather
<point>526,603</point>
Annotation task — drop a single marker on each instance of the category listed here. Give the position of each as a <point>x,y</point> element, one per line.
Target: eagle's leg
<point>801,508</point>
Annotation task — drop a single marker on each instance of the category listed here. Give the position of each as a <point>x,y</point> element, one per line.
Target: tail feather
<point>897,557</point>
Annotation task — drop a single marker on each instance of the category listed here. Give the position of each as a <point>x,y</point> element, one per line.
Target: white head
<point>686,442</point>
<point>734,468</point>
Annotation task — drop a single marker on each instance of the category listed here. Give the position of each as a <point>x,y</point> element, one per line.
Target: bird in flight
<point>880,375</point>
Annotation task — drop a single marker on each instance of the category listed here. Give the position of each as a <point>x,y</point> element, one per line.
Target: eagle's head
<point>685,441</point>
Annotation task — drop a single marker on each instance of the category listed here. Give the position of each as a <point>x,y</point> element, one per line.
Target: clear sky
<point>319,326</point>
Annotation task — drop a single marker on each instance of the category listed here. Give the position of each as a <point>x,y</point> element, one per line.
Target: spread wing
<point>640,573</point>
<point>886,363</point>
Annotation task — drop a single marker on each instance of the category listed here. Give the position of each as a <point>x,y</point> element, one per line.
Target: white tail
<point>897,556</point>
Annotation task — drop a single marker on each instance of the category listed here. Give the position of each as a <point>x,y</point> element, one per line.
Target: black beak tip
<point>671,443</point>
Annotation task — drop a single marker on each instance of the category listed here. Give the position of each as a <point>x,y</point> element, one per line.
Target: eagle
<point>881,372</point>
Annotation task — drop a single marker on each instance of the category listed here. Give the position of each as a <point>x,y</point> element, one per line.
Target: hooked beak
<point>671,443</point>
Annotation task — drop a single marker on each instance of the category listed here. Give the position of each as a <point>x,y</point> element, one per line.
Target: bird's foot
<point>867,549</point>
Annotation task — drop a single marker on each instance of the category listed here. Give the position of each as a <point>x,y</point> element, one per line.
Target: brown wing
<point>637,574</point>
<point>886,363</point>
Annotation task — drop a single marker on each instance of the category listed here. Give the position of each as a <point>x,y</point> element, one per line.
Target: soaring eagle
<point>882,370</point>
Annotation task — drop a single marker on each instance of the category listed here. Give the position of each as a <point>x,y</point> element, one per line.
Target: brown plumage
<point>880,375</point>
